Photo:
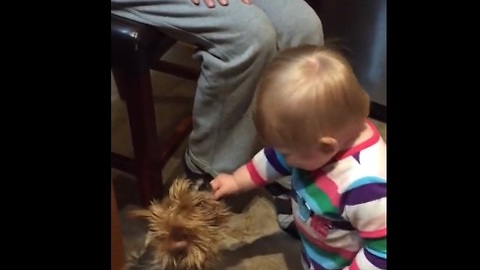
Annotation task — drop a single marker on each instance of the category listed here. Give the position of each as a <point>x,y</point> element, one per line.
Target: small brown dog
<point>184,230</point>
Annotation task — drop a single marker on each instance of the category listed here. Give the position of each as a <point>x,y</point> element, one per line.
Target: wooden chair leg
<point>137,91</point>
<point>117,254</point>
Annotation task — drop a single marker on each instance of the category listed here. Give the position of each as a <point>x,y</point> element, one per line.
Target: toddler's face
<point>309,160</point>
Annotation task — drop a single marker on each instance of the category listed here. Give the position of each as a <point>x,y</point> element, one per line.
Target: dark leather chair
<point>135,50</point>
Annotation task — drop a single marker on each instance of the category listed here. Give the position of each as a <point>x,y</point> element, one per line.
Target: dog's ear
<point>179,186</point>
<point>139,213</point>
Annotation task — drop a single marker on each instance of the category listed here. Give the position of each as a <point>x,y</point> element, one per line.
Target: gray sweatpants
<point>235,43</point>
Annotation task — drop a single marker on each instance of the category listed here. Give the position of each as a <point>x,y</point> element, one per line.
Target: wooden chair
<point>135,50</point>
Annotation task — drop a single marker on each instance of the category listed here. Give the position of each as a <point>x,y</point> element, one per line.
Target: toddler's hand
<point>224,184</point>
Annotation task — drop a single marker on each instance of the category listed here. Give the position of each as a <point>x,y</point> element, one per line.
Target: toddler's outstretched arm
<point>266,166</point>
<point>228,184</point>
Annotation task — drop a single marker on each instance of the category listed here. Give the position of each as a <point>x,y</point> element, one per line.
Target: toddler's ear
<point>328,145</point>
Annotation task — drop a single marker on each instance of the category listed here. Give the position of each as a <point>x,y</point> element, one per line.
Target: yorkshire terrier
<point>185,230</point>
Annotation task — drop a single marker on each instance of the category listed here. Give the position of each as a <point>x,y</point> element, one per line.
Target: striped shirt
<point>339,209</point>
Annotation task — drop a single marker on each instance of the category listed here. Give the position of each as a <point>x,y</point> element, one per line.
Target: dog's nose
<point>178,234</point>
<point>178,237</point>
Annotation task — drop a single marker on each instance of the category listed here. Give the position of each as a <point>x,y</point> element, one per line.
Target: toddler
<point>312,114</point>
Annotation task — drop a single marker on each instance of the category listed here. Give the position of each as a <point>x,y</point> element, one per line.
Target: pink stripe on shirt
<point>257,179</point>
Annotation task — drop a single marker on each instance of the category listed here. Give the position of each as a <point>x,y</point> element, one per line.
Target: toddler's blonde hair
<point>306,93</point>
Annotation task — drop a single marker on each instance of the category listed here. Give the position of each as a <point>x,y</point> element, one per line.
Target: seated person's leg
<point>235,42</point>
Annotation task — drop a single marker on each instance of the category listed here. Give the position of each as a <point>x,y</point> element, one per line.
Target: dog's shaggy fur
<point>184,230</point>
